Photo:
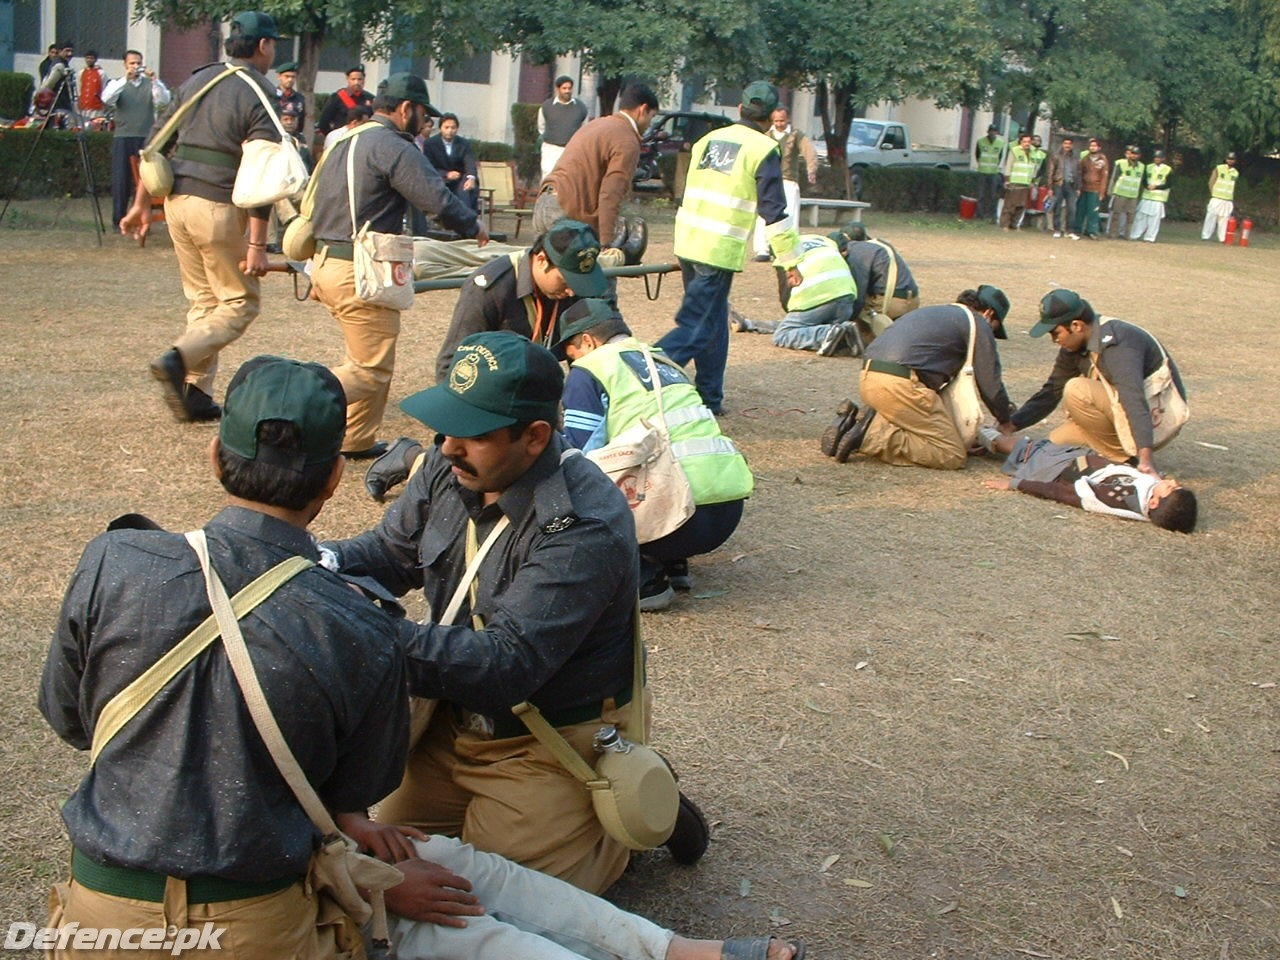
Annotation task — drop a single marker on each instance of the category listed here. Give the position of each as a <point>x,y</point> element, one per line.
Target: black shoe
<point>391,468</point>
<point>200,406</point>
<point>677,572</point>
<point>692,835</point>
<point>656,594</point>
<point>846,414</point>
<point>833,340</point>
<point>369,453</point>
<point>171,373</point>
<point>852,439</point>
<point>619,238</point>
<point>637,240</point>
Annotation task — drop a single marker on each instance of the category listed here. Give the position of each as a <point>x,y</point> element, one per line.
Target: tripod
<point>67,85</point>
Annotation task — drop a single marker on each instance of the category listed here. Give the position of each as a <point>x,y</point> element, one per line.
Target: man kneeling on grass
<point>1079,477</point>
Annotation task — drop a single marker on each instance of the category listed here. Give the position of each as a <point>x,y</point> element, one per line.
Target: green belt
<point>144,885</point>
<point>214,158</point>
<point>338,251</point>
<point>512,726</point>
<point>886,366</point>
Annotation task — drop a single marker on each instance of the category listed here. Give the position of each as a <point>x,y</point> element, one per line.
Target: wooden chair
<point>499,192</point>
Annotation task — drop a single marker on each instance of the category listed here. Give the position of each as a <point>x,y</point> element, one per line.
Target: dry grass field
<point>928,720</point>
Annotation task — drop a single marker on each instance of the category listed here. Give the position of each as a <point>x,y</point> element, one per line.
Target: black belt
<point>512,726</point>
<point>213,158</point>
<point>144,885</point>
<point>338,251</point>
<point>888,367</point>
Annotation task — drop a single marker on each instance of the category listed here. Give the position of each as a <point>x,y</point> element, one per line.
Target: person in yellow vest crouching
<point>610,388</point>
<point>1222,193</point>
<point>735,173</point>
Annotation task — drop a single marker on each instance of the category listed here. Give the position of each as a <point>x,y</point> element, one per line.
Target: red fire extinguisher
<point>1230,238</point>
<point>1245,229</point>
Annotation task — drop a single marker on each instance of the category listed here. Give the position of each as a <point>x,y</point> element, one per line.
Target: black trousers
<point>122,183</point>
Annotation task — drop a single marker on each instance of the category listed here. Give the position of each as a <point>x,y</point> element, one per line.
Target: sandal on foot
<point>756,948</point>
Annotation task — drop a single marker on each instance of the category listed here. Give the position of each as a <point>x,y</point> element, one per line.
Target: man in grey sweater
<point>132,100</point>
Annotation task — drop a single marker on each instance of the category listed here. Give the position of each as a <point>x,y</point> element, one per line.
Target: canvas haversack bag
<point>383,262</point>
<point>960,396</point>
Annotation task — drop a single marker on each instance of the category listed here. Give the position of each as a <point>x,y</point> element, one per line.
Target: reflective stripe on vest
<point>718,211</point>
<point>716,470</point>
<point>1224,188</point>
<point>825,274</point>
<point>1129,179</point>
<point>1023,170</point>
<point>1157,176</point>
<point>989,155</point>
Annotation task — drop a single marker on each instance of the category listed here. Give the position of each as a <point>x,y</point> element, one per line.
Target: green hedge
<point>55,169</point>
<point>524,120</point>
<point>15,94</point>
<point>492,150</point>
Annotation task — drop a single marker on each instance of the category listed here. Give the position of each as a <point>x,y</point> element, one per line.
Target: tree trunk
<point>309,44</point>
<point>608,90</point>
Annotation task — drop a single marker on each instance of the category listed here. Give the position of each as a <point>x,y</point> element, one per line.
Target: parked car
<point>887,143</point>
<point>669,133</point>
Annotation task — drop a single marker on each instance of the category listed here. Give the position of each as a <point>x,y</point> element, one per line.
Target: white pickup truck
<point>886,143</point>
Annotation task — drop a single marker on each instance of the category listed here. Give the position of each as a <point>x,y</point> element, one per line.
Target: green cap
<point>289,66</point>
<point>995,299</point>
<point>253,25</point>
<point>1057,309</point>
<point>496,379</point>
<point>581,317</point>
<point>573,247</point>
<point>759,99</point>
<point>851,232</point>
<point>307,395</point>
<point>407,86</point>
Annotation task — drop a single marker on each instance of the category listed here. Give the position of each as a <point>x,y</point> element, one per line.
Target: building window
<point>339,59</point>
<point>26,27</point>
<point>421,66</point>
<point>100,25</point>
<point>474,69</point>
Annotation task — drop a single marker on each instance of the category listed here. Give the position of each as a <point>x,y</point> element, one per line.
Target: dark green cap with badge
<point>289,66</point>
<point>583,316</point>
<point>407,86</point>
<point>759,99</point>
<point>496,379</point>
<point>851,232</point>
<point>995,299</point>
<point>253,25</point>
<point>573,248</point>
<point>1059,308</point>
<point>307,395</point>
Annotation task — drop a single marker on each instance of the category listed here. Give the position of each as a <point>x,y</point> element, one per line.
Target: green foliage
<point>494,150</point>
<point>524,119</point>
<point>55,169</point>
<point>15,94</point>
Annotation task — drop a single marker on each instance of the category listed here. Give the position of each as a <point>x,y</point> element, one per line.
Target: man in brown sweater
<point>1095,171</point>
<point>593,176</point>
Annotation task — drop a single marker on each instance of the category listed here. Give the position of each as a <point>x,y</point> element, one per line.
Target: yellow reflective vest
<point>824,273</point>
<point>989,152</point>
<point>1022,170</point>
<point>1128,179</point>
<point>1224,188</point>
<point>718,212</point>
<point>717,471</point>
<point>1157,177</point>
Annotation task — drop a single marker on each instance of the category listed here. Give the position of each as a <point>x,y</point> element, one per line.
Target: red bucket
<point>968,208</point>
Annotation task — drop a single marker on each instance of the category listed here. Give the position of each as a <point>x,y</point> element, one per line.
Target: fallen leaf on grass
<point>886,843</point>
<point>1212,446</point>
<point>1115,908</point>
<point>1180,892</point>
<point>1090,635</point>
<point>741,556</point>
<point>1201,726</point>
<point>744,888</point>
<point>815,708</point>
<point>1112,753</point>
<point>989,564</point>
<point>708,594</point>
<point>948,909</point>
<point>855,882</point>
<point>1125,850</point>
<point>828,863</point>
<point>1032,953</point>
<point>959,680</point>
<point>860,665</point>
<point>1265,686</point>
<point>780,921</point>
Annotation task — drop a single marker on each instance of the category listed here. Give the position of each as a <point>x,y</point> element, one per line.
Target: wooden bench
<point>812,205</point>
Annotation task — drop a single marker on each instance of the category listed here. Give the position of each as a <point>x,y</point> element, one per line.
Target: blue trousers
<point>701,333</point>
<point>804,329</point>
<point>710,526</point>
<point>122,185</point>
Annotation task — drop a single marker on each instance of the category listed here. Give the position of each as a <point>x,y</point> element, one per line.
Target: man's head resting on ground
<point>495,412</point>
<point>1172,506</point>
<point>586,325</point>
<point>989,302</point>
<point>280,440</point>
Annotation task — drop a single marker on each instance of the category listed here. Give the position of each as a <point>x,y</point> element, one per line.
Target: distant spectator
<point>794,146</point>
<point>355,117</point>
<point>353,95</point>
<point>559,118</point>
<point>292,103</point>
<point>132,100</point>
<point>1095,170</point>
<point>1064,181</point>
<point>47,63</point>
<point>60,78</point>
<point>451,155</point>
<point>92,81</point>
<point>1222,193</point>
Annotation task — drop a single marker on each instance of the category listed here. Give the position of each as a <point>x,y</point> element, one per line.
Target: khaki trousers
<point>370,333</point>
<point>912,427</point>
<point>876,317</point>
<point>1090,419</point>
<point>209,241</point>
<point>510,797</point>
<point>279,926</point>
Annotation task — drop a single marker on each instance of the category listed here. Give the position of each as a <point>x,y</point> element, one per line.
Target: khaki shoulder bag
<point>269,170</point>
<point>383,262</point>
<point>1169,411</point>
<point>299,240</point>
<point>960,395</point>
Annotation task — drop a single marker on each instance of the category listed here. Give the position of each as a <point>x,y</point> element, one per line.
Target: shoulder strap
<point>973,333</point>
<point>475,557</point>
<point>891,281</point>
<point>259,709</point>
<point>126,704</point>
<point>267,105</point>
<point>657,389</point>
<point>162,137</point>
<point>309,196</point>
